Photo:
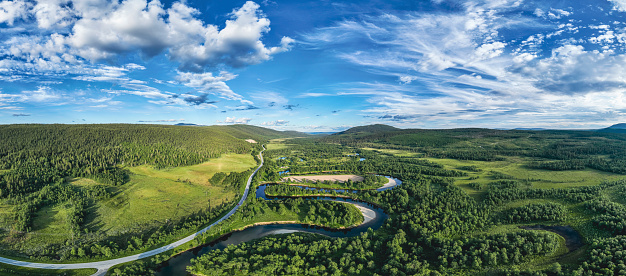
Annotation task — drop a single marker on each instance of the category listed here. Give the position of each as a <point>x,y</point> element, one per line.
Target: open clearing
<point>340,178</point>
<point>200,174</point>
<point>150,199</point>
<point>155,196</point>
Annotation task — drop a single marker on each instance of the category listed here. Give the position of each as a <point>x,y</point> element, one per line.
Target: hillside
<point>242,131</point>
<point>369,129</point>
<point>616,128</point>
<point>101,185</point>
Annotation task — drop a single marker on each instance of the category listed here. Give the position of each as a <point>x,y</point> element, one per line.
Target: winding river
<point>374,218</point>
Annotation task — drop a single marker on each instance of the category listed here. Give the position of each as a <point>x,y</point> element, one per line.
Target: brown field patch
<point>334,177</point>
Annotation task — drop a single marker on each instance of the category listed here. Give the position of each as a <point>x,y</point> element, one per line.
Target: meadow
<point>151,199</point>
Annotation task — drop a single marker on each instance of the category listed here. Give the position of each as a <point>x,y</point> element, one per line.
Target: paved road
<point>103,266</point>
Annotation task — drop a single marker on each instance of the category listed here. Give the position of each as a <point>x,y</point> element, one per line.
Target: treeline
<point>77,198</point>
<point>605,257</point>
<point>96,245</point>
<point>234,181</point>
<point>86,245</point>
<point>601,164</point>
<point>415,240</point>
<point>36,155</point>
<point>499,249</point>
<point>535,212</point>
<point>612,215</point>
<point>568,150</point>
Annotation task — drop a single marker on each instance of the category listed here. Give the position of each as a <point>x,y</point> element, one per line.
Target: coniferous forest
<point>470,202</point>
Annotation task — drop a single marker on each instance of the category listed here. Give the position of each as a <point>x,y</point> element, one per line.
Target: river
<point>178,264</point>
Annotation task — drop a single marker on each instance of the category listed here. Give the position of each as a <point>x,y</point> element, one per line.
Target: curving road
<point>103,266</point>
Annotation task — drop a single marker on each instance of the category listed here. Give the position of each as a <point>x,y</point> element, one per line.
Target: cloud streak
<point>473,68</point>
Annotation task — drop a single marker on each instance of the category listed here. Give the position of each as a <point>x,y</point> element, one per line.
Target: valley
<point>470,202</point>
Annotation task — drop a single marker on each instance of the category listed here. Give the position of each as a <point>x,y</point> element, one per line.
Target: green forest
<point>466,197</point>
<point>85,192</point>
<point>471,201</point>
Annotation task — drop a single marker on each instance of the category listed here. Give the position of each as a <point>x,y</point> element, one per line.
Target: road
<point>103,266</point>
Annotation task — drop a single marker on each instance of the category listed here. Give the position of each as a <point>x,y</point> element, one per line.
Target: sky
<point>315,66</point>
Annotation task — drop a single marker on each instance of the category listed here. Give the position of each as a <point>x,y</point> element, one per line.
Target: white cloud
<point>275,123</point>
<point>43,94</point>
<point>143,91</point>
<point>52,13</point>
<point>238,44</point>
<point>472,73</point>
<point>98,29</point>
<point>235,120</point>
<point>489,50</point>
<point>130,26</point>
<point>558,13</point>
<point>133,66</point>
<point>13,10</point>
<point>407,79</point>
<point>619,5</point>
<point>207,83</point>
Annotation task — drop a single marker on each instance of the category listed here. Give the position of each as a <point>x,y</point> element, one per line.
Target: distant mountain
<point>369,129</point>
<point>616,128</point>
<point>185,124</point>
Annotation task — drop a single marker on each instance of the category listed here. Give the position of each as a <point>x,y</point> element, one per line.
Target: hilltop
<point>616,128</point>
<point>369,129</point>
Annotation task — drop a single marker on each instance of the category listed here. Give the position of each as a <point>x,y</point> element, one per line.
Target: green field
<point>11,270</point>
<point>200,174</point>
<point>152,198</point>
<point>516,167</point>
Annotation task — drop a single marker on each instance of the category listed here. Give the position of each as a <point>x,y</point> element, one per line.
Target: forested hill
<point>33,156</point>
<point>369,129</point>
<point>552,149</point>
<point>617,128</point>
<point>258,133</point>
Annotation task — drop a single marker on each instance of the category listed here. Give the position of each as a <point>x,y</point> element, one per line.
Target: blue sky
<point>315,65</point>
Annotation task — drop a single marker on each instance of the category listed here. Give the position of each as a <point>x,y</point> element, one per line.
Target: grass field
<point>200,174</point>
<point>398,153</point>
<point>156,196</point>
<point>150,199</point>
<point>516,168</point>
<point>11,270</point>
<point>275,144</point>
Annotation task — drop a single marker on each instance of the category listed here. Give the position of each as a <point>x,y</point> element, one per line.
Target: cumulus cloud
<point>52,13</point>
<point>237,45</point>
<point>407,79</point>
<point>132,25</point>
<point>13,10</point>
<point>235,120</point>
<point>94,30</point>
<point>149,28</point>
<point>619,5</point>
